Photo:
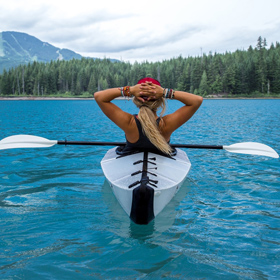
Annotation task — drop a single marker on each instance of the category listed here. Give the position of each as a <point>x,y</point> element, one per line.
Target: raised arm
<point>143,92</point>
<point>112,111</point>
<point>191,101</point>
<point>174,120</point>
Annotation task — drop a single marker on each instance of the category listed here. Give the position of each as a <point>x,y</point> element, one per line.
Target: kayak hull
<point>144,182</point>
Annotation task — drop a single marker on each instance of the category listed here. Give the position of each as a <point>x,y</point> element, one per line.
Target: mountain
<point>20,48</point>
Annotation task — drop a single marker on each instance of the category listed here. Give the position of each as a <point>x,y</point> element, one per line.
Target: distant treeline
<point>252,71</point>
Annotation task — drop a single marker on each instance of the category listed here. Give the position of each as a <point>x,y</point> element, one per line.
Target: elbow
<point>199,101</point>
<point>97,96</point>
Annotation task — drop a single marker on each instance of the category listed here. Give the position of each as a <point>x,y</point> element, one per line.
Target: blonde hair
<point>148,122</point>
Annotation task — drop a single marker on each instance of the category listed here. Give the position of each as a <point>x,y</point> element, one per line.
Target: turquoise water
<point>60,220</point>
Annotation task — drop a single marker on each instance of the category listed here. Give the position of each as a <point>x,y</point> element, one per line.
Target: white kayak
<point>144,182</point>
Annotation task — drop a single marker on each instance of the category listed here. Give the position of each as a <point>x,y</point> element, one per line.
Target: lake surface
<point>60,220</point>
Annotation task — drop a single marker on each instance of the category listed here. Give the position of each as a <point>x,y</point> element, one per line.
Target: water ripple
<point>60,220</point>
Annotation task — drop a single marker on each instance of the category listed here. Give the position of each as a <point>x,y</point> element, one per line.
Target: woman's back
<point>149,96</point>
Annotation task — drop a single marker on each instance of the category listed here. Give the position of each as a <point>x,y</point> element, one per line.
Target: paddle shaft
<point>31,141</point>
<point>190,146</point>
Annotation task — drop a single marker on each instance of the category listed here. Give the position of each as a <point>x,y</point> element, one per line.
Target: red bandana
<point>148,79</point>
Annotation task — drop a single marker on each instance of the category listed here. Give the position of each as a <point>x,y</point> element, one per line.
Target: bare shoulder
<point>164,130</point>
<point>131,132</point>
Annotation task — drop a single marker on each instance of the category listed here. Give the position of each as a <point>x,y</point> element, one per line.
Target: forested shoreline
<point>252,72</point>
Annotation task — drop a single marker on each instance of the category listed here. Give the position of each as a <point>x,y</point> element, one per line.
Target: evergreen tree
<point>92,86</point>
<point>196,74</point>
<point>203,86</point>
<point>229,80</point>
<point>256,69</point>
<point>217,86</point>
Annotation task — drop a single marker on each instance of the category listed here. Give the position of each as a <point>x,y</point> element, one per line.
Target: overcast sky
<point>144,30</point>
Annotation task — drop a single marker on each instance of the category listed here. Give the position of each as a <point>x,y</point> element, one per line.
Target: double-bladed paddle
<point>30,141</point>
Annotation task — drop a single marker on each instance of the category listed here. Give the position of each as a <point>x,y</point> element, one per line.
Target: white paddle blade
<point>25,141</point>
<point>252,148</point>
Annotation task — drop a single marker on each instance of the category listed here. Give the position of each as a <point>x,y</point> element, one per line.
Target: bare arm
<point>151,91</point>
<point>179,117</point>
<point>112,111</point>
<point>174,120</point>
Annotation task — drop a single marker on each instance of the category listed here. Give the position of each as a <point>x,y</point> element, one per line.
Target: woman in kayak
<point>147,130</point>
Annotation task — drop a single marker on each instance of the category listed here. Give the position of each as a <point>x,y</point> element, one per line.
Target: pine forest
<point>251,72</point>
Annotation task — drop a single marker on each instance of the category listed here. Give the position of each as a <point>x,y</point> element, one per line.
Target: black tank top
<point>142,143</point>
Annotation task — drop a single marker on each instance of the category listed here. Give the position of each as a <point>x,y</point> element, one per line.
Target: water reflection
<point>123,226</point>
